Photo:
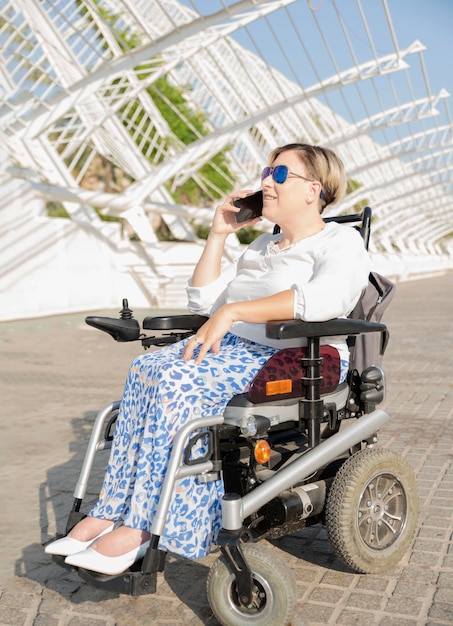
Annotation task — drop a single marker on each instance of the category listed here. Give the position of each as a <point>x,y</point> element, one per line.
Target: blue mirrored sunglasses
<point>280,173</point>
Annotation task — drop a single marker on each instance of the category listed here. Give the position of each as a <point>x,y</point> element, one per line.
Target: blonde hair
<point>320,164</point>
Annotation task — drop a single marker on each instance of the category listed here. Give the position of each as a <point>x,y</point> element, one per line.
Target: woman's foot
<point>80,537</point>
<point>120,541</point>
<point>124,547</point>
<point>89,528</point>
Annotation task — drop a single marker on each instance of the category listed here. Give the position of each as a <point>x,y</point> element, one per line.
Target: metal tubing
<point>312,403</point>
<point>175,470</point>
<point>311,461</point>
<point>92,448</point>
<point>233,517</point>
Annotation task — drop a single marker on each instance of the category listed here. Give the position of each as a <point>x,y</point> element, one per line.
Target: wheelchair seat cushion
<point>285,365</point>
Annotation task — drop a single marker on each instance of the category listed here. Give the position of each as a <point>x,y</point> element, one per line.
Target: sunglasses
<point>280,173</point>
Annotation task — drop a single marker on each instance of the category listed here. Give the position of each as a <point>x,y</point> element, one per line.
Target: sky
<point>430,21</point>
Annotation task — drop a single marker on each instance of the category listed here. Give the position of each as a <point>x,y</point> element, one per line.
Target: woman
<point>310,270</point>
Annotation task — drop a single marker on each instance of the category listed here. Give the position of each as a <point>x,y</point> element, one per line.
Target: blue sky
<point>430,21</point>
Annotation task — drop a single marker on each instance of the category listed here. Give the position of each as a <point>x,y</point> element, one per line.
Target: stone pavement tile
<point>326,595</point>
<point>411,590</point>
<point>440,613</point>
<point>448,561</point>
<point>378,584</point>
<point>400,605</point>
<point>317,614</point>
<point>351,617</point>
<point>369,601</point>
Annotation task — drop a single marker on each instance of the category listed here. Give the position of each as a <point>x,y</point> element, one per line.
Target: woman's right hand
<point>224,221</point>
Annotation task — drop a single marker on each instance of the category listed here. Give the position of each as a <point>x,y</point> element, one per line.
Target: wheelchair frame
<point>277,499</point>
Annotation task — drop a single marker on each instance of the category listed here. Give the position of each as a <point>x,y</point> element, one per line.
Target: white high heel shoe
<point>94,561</point>
<point>67,545</point>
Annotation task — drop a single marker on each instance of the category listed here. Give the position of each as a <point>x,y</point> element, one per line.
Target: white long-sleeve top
<point>327,272</point>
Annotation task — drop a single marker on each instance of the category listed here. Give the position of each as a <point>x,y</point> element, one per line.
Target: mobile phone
<point>251,206</point>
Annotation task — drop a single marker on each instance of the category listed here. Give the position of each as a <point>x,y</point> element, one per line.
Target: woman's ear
<point>315,191</point>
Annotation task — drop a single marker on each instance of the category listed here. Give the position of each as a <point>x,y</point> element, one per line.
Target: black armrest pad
<point>119,329</point>
<point>292,329</point>
<point>174,322</point>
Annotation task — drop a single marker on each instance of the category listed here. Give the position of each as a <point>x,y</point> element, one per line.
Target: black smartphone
<point>251,206</point>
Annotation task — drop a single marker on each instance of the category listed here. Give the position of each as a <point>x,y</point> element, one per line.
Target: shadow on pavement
<point>184,578</point>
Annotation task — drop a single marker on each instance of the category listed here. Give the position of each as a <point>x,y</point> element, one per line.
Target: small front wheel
<point>274,590</point>
<point>372,510</point>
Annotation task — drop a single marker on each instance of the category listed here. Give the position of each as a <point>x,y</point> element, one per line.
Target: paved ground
<point>55,375</point>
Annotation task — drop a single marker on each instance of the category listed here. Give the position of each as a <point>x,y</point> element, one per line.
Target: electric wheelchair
<point>296,449</point>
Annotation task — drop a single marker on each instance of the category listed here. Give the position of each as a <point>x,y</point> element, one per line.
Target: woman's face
<point>284,202</point>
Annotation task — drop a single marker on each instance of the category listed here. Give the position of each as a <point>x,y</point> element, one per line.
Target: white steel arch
<point>149,111</point>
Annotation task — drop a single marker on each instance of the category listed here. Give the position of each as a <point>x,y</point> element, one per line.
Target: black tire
<point>372,510</point>
<point>275,592</point>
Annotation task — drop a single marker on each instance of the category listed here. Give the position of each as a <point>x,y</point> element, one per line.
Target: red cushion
<point>285,364</point>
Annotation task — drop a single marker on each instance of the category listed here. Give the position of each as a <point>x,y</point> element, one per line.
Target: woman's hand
<point>208,268</point>
<point>209,336</point>
<point>279,306</point>
<point>224,222</point>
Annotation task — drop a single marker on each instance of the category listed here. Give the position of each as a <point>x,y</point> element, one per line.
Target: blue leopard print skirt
<point>162,393</point>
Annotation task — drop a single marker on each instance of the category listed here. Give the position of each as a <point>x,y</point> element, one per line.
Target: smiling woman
<point>310,270</point>
<point>321,169</point>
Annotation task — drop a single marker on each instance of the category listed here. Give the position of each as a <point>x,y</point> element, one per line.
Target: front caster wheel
<point>274,593</point>
<point>372,510</point>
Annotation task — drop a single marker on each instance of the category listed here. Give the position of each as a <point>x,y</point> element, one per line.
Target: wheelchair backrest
<point>368,349</point>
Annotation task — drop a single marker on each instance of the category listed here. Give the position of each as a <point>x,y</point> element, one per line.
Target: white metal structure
<point>82,88</point>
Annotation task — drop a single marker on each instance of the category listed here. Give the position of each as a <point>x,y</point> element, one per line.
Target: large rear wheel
<point>372,510</point>
<point>274,590</point>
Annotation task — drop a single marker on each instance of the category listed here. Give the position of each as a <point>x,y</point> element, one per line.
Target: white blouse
<point>327,272</point>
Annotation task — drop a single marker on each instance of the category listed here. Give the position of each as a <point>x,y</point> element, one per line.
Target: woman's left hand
<point>209,336</point>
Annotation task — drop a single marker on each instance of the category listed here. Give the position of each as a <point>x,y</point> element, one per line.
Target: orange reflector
<point>262,452</point>
<point>274,387</point>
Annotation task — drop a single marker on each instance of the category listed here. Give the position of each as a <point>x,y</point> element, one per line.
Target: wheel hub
<point>381,511</point>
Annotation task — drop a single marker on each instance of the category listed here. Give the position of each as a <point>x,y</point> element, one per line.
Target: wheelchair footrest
<point>128,583</point>
<point>132,582</point>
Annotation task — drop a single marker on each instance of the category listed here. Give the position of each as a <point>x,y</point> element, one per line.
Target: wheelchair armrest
<point>293,329</point>
<point>119,329</point>
<point>174,322</point>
